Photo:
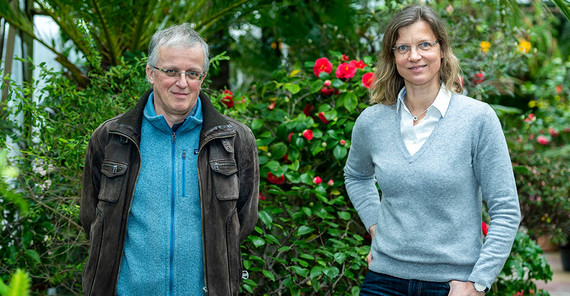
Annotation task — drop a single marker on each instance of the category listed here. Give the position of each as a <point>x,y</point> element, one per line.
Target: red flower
<point>559,88</point>
<point>479,77</point>
<point>345,71</point>
<point>228,98</point>
<point>317,180</point>
<point>553,132</point>
<point>327,91</point>
<point>327,83</point>
<point>344,57</point>
<point>271,106</point>
<point>274,179</point>
<point>323,118</point>
<point>342,142</point>
<point>308,109</point>
<point>290,135</point>
<point>542,140</point>
<point>485,228</point>
<point>308,134</point>
<point>261,197</point>
<point>358,64</point>
<point>322,65</point>
<point>530,118</point>
<point>286,158</point>
<point>367,79</point>
<point>331,182</point>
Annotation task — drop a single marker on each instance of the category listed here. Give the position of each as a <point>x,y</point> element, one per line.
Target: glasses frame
<point>179,73</point>
<point>409,47</point>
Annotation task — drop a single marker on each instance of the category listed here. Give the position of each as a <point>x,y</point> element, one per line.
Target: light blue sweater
<point>429,217</point>
<point>163,246</point>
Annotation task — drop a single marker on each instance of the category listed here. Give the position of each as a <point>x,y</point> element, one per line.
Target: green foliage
<point>524,265</point>
<point>19,285</point>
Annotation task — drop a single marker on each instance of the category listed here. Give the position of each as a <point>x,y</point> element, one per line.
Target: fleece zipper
<point>172,203</point>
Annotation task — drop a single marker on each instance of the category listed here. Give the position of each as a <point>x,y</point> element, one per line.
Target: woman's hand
<point>371,230</point>
<point>457,288</point>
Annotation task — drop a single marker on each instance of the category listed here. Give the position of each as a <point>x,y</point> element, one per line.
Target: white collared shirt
<point>416,135</point>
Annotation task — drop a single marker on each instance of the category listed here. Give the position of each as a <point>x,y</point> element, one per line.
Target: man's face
<point>174,97</point>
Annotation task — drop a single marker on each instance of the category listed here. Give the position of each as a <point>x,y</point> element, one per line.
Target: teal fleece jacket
<point>429,217</point>
<point>163,252</point>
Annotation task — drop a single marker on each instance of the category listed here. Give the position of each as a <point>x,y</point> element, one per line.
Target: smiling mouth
<point>417,67</point>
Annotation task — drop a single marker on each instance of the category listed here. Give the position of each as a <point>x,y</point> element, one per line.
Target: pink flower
<point>289,137</point>
<point>228,98</point>
<point>344,57</point>
<point>345,71</point>
<point>271,106</point>
<point>322,65</point>
<point>485,228</point>
<point>553,132</point>
<point>308,134</point>
<point>367,79</point>
<point>542,140</point>
<point>327,83</point>
<point>317,180</point>
<point>330,182</point>
<point>323,118</point>
<point>342,142</point>
<point>358,64</point>
<point>327,91</point>
<point>274,179</point>
<point>530,117</point>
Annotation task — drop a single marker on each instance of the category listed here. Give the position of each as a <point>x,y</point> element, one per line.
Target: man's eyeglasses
<point>192,75</point>
<point>421,47</point>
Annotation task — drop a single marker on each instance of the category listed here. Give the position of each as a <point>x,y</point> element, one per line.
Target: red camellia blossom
<point>308,109</point>
<point>358,64</point>
<point>553,132</point>
<point>290,135</point>
<point>485,228</point>
<point>530,117</point>
<point>330,182</point>
<point>317,180</point>
<point>271,106</point>
<point>322,65</point>
<point>261,197</point>
<point>323,118</point>
<point>344,57</point>
<point>228,98</point>
<point>308,134</point>
<point>327,83</point>
<point>542,140</point>
<point>345,71</point>
<point>367,79</point>
<point>342,142</point>
<point>274,179</point>
<point>479,77</point>
<point>327,91</point>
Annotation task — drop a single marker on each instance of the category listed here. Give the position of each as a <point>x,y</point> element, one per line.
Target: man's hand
<point>457,288</point>
<point>371,230</point>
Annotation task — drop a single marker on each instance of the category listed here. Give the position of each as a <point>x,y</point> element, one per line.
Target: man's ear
<point>149,74</point>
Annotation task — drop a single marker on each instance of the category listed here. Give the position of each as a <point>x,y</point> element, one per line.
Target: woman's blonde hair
<point>388,81</point>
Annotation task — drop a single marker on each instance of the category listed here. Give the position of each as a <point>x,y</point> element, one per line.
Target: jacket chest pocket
<point>225,178</point>
<point>113,180</point>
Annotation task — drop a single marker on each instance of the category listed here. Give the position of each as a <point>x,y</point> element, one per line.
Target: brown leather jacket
<point>228,173</point>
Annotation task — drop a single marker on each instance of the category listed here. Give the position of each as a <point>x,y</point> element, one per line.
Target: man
<point>170,188</point>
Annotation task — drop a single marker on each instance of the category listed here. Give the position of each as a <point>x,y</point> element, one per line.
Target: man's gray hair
<point>176,36</point>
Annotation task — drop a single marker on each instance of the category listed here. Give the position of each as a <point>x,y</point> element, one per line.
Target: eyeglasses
<point>421,47</point>
<point>192,75</point>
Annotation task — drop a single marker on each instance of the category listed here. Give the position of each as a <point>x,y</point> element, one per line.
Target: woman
<point>435,155</point>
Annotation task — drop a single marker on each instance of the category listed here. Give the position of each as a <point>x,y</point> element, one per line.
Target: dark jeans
<point>376,284</point>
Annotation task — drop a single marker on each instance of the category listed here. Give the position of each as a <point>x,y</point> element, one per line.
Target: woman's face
<point>420,65</point>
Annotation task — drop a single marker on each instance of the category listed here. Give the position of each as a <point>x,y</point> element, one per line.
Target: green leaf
<point>350,101</point>
<point>268,274</point>
<point>344,215</point>
<point>304,230</point>
<point>284,249</point>
<point>331,272</point>
<point>316,86</point>
<point>340,257</point>
<point>278,150</point>
<point>339,152</point>
<point>307,211</point>
<point>257,123</point>
<point>300,271</point>
<point>266,219</point>
<point>293,88</point>
<point>316,271</point>
<point>257,241</point>
<point>32,254</point>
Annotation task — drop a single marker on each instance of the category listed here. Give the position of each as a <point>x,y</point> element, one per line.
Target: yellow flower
<point>524,46</point>
<point>532,104</point>
<point>485,45</point>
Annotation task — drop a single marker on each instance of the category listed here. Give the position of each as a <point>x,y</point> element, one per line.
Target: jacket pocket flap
<point>225,167</point>
<point>113,169</point>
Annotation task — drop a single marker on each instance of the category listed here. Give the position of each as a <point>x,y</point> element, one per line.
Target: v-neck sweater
<point>429,217</point>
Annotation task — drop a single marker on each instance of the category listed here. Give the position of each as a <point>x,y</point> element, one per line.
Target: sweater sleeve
<point>359,175</point>
<point>493,169</point>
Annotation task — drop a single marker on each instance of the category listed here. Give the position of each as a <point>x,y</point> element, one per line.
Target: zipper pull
<point>173,137</point>
<point>184,154</point>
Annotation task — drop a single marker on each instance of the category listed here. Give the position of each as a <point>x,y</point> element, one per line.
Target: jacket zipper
<point>129,210</point>
<point>172,200</point>
<point>184,173</point>
<point>205,289</point>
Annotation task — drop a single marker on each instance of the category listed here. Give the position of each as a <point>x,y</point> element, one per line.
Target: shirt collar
<point>441,101</point>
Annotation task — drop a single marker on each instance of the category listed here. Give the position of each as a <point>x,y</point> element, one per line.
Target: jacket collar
<point>214,124</point>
